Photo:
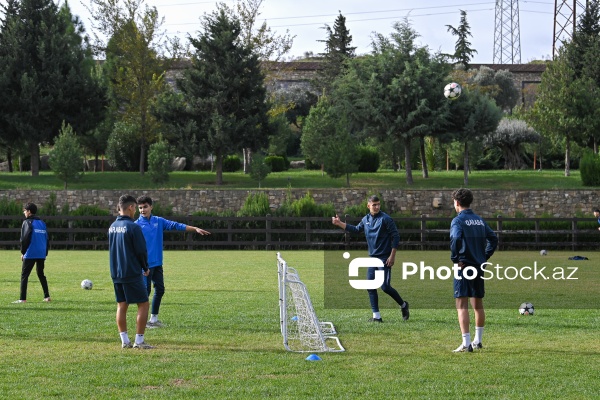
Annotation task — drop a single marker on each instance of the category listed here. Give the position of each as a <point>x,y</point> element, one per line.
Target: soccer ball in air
<point>526,309</point>
<point>87,284</point>
<point>543,252</point>
<point>452,91</point>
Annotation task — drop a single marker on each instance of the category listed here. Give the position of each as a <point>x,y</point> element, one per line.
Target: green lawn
<point>507,180</point>
<point>222,338</point>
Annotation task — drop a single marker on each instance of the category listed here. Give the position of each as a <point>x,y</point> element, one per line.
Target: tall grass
<point>222,339</point>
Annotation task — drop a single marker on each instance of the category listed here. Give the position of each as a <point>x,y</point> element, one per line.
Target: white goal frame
<point>301,329</point>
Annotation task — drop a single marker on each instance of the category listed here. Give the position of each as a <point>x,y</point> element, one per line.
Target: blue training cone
<point>313,357</point>
<point>294,318</point>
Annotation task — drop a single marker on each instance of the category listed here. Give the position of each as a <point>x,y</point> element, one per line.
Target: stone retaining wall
<point>434,203</point>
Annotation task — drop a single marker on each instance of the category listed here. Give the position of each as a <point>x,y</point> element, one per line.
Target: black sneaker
<point>405,312</point>
<point>376,320</point>
<point>477,346</point>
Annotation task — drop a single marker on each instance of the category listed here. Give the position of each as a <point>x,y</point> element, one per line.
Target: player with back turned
<point>472,243</point>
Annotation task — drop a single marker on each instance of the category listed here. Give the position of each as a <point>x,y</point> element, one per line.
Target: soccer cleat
<point>476,346</point>
<point>47,299</point>
<point>156,324</point>
<point>463,349</point>
<point>376,320</point>
<point>127,345</point>
<point>142,345</point>
<point>405,312</point>
<point>19,301</point>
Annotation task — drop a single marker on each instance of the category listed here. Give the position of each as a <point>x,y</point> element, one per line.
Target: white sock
<point>478,334</point>
<point>124,337</point>
<point>153,318</point>
<point>139,338</point>
<point>466,339</point>
<point>377,315</point>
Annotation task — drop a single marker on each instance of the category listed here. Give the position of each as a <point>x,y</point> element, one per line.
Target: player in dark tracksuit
<point>472,243</point>
<point>128,258</point>
<point>382,239</point>
<point>34,250</point>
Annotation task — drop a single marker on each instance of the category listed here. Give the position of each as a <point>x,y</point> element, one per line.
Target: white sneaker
<point>477,346</point>
<point>463,349</point>
<point>127,345</point>
<point>19,301</point>
<point>142,345</point>
<point>156,324</point>
<point>47,299</point>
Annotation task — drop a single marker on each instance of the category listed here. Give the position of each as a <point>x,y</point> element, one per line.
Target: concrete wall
<point>535,203</point>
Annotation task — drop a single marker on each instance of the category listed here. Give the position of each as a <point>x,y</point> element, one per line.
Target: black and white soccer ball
<point>543,252</point>
<point>86,284</point>
<point>526,309</point>
<point>452,91</point>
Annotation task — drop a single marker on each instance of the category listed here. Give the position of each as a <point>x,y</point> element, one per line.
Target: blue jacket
<point>381,233</point>
<point>472,241</point>
<point>34,238</point>
<point>153,229</point>
<point>127,250</point>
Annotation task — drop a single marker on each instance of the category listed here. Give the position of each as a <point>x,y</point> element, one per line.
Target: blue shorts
<point>131,292</point>
<point>469,287</point>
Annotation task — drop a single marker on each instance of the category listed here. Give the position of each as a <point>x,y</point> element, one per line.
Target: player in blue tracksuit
<point>128,264</point>
<point>597,215</point>
<point>382,240</point>
<point>34,250</point>
<point>153,228</point>
<point>472,243</point>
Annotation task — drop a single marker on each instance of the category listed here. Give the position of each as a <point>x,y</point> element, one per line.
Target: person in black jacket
<point>34,250</point>
<point>128,258</point>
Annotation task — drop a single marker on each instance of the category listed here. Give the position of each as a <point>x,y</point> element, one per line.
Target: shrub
<point>368,159</point>
<point>256,205</point>
<point>589,167</point>
<point>232,163</point>
<point>159,162</point>
<point>277,163</point>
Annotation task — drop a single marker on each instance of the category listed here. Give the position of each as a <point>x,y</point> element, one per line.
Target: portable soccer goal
<point>301,329</point>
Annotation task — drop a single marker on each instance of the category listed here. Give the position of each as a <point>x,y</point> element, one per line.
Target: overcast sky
<point>305,18</point>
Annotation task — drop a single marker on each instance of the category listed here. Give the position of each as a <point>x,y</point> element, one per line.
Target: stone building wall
<point>433,203</point>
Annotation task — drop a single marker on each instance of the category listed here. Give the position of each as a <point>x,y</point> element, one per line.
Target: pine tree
<point>66,158</point>
<point>224,90</point>
<point>337,52</point>
<point>46,75</point>
<point>463,53</point>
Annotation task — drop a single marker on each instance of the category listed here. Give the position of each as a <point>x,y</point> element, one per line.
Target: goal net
<point>301,329</point>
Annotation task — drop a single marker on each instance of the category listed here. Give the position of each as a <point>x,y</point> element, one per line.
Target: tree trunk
<point>348,179</point>
<point>219,168</point>
<point>9,159</point>
<point>423,158</point>
<point>142,155</point>
<point>568,156</point>
<point>34,153</point>
<point>407,167</point>
<point>247,155</point>
<point>466,166</point>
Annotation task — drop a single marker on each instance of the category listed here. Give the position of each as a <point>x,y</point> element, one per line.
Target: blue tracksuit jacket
<point>153,229</point>
<point>127,250</point>
<point>381,233</point>
<point>472,241</point>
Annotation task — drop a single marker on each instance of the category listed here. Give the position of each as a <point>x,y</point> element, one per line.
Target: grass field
<point>222,338</point>
<point>384,179</point>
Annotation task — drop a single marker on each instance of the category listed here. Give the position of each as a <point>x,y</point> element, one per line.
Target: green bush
<point>232,163</point>
<point>256,205</point>
<point>277,163</point>
<point>368,159</point>
<point>589,167</point>
<point>159,162</point>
